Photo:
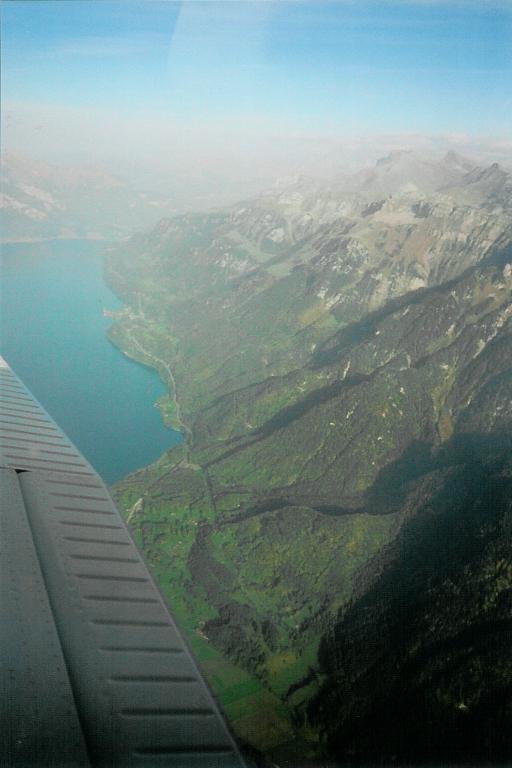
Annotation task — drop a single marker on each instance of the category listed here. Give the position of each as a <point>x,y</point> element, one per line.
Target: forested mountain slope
<point>339,360</point>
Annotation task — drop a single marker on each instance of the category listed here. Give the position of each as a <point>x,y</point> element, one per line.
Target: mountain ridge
<point>41,201</point>
<point>331,357</point>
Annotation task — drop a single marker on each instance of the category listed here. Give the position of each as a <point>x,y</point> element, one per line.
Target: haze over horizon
<point>251,91</point>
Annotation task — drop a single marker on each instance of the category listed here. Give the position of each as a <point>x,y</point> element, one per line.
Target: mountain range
<point>40,201</point>
<point>334,532</point>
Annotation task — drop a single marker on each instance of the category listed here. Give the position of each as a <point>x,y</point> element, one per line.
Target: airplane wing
<point>93,670</point>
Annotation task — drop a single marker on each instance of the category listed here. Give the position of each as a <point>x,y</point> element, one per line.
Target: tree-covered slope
<point>418,669</point>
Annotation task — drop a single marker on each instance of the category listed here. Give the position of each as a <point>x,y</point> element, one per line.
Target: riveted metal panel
<point>37,710</point>
<point>29,439</point>
<point>139,696</point>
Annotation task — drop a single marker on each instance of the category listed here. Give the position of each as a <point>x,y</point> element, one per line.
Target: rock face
<point>337,525</point>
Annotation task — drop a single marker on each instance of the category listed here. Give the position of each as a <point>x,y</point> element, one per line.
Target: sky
<point>183,73</point>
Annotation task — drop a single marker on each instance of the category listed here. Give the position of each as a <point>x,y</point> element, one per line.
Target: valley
<point>337,521</point>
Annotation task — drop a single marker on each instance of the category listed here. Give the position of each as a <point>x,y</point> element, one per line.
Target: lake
<point>52,333</point>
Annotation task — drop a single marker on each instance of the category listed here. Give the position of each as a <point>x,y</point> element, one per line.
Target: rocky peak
<point>393,157</point>
<point>404,173</point>
<point>483,186</point>
<point>457,162</point>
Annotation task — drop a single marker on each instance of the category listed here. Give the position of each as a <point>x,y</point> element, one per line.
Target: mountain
<point>421,658</point>
<point>334,533</point>
<point>404,172</point>
<point>483,187</point>
<point>43,201</point>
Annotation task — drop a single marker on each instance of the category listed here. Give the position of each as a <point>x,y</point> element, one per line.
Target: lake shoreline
<point>55,335</point>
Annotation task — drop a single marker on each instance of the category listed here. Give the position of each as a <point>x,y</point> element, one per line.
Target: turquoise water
<point>52,333</point>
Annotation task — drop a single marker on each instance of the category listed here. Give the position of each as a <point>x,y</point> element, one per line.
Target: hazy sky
<point>74,71</point>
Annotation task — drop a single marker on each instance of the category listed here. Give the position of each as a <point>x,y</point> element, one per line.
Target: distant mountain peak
<point>393,157</point>
<point>457,162</point>
<point>493,172</point>
<point>482,186</point>
<point>404,172</point>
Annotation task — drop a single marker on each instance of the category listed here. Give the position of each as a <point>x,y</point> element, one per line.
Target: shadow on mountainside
<point>418,668</point>
<point>331,351</point>
<point>393,483</point>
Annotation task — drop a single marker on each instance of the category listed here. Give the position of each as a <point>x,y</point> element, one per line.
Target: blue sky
<point>428,66</point>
